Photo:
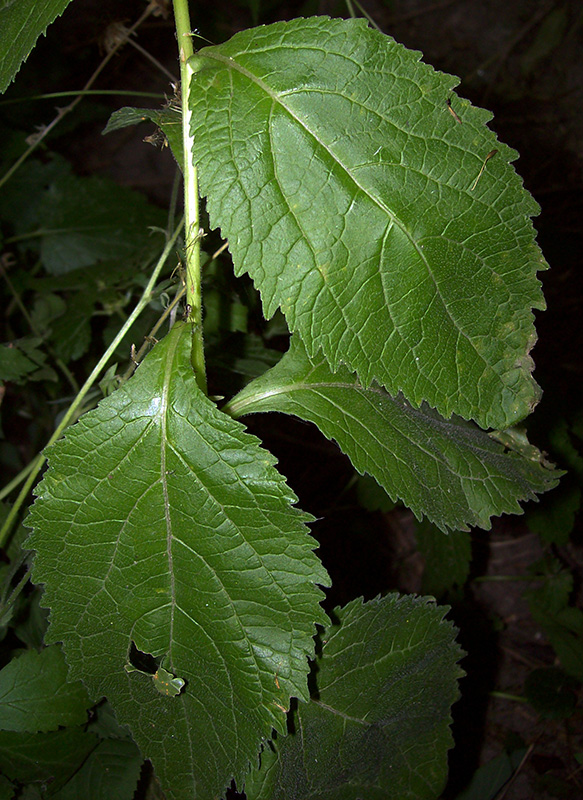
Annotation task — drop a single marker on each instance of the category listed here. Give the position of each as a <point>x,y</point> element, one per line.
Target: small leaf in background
<point>372,496</point>
<point>161,524</point>
<point>21,198</point>
<point>51,757</point>
<point>36,695</point>
<point>14,364</point>
<point>551,692</point>
<point>86,220</point>
<point>21,23</point>
<point>71,333</point>
<point>30,625</point>
<point>381,227</point>
<point>447,470</point>
<point>111,772</point>
<point>549,36</point>
<point>77,221</point>
<point>168,119</point>
<point>554,519</point>
<point>447,558</point>
<point>489,779</point>
<point>378,724</point>
<point>7,789</point>
<point>562,623</point>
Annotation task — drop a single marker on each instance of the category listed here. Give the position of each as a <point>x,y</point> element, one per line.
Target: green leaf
<point>36,695</point>
<point>48,757</point>
<point>372,496</point>
<point>14,365</point>
<point>77,221</point>
<point>86,220</point>
<point>562,623</point>
<point>551,692</point>
<point>447,558</point>
<point>160,523</point>
<point>378,727</point>
<point>385,231</point>
<point>21,23</point>
<point>564,630</point>
<point>555,518</point>
<point>32,621</point>
<point>110,773</point>
<point>7,789</point>
<point>489,779</point>
<point>168,119</point>
<point>71,333</point>
<point>448,470</point>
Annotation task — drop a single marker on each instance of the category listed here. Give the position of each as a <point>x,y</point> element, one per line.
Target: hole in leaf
<point>143,662</point>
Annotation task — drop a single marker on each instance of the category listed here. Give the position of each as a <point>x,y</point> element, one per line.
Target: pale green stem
<point>191,199</point>
<point>506,696</point>
<point>75,405</point>
<point>87,93</point>
<point>6,490</point>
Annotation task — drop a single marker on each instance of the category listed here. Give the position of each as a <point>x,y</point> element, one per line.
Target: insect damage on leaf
<point>167,683</point>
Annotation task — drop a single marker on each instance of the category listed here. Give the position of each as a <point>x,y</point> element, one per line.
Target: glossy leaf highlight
<point>389,234</point>
<point>163,525</point>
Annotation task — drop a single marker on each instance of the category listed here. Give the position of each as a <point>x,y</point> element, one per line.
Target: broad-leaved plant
<point>376,211</point>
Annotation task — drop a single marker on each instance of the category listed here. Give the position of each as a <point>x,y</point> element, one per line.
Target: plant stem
<point>515,698</point>
<point>6,490</point>
<point>74,407</point>
<point>191,205</point>
<point>86,93</point>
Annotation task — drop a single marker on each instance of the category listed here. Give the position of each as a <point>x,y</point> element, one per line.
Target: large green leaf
<point>21,23</point>
<point>449,470</point>
<point>386,231</point>
<point>378,726</point>
<point>35,694</point>
<point>162,528</point>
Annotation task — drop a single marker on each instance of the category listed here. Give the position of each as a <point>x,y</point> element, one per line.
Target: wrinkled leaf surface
<point>161,523</point>
<point>389,234</point>
<point>379,726</point>
<point>448,470</point>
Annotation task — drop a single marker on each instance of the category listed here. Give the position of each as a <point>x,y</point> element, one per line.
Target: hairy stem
<point>191,204</point>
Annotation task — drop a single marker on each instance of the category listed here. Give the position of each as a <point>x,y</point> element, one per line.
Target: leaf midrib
<point>230,63</point>
<point>169,366</point>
